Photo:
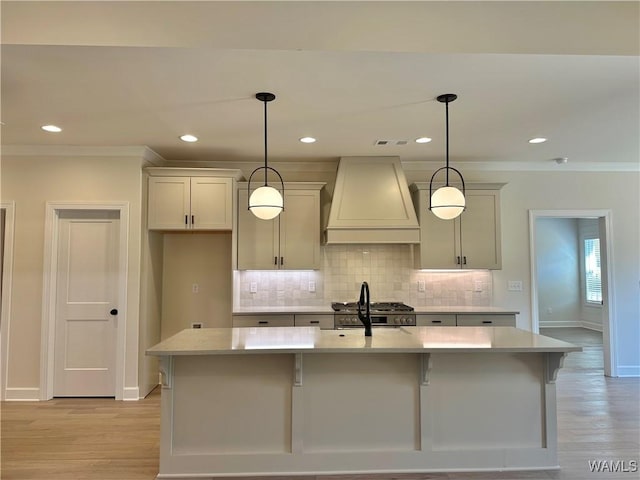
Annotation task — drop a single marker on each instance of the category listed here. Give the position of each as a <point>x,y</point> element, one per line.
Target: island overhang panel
<point>299,400</point>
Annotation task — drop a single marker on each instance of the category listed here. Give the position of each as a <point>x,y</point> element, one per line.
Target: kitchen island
<point>300,400</point>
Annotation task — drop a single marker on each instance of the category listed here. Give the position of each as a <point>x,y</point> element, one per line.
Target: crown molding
<point>549,166</point>
<point>140,151</point>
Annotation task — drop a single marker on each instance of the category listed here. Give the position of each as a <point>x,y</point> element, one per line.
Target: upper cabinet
<point>290,241</point>
<point>470,241</point>
<point>191,199</point>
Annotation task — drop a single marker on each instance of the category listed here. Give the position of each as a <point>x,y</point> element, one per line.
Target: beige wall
<point>31,181</point>
<point>196,258</point>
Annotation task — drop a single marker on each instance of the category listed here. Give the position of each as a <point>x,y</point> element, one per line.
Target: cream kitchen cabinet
<point>290,241</point>
<point>470,241</point>
<point>200,199</point>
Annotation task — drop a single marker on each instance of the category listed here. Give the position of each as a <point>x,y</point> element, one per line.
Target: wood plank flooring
<point>101,439</point>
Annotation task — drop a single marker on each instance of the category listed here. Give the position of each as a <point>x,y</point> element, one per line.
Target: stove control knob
<point>397,321</point>
<point>405,321</point>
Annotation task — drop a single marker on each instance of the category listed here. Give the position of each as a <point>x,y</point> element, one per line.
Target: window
<point>592,270</point>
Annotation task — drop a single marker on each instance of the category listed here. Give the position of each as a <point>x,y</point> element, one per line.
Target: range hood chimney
<point>371,203</point>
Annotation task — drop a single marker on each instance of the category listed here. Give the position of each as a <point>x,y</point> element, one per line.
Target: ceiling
<point>348,73</point>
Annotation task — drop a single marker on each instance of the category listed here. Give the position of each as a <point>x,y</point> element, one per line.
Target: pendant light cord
<point>265,143</point>
<point>447,136</point>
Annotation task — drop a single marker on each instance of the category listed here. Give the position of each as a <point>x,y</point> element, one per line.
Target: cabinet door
<point>324,321</point>
<point>267,320</point>
<point>480,231</point>
<point>300,230</point>
<point>168,203</point>
<point>211,203</point>
<point>436,320</point>
<point>486,320</point>
<point>257,239</point>
<point>437,248</point>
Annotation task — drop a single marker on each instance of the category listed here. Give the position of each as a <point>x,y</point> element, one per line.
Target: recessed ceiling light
<point>423,140</point>
<point>538,140</point>
<point>51,128</point>
<point>189,138</point>
<point>307,140</point>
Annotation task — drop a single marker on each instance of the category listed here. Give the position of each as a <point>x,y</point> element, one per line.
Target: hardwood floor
<point>101,439</point>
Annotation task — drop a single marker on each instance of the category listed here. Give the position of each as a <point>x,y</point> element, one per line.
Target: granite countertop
<point>224,341</point>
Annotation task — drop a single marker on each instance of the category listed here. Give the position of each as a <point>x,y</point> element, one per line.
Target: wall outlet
<point>312,286</point>
<point>196,325</point>
<point>477,286</point>
<point>421,286</point>
<point>253,287</point>
<point>514,285</point>
<point>195,288</point>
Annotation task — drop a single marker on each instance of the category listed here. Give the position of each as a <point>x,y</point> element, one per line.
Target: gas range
<point>383,314</point>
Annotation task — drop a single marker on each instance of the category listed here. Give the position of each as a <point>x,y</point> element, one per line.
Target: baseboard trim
<point>22,395</point>
<point>628,371</point>
<point>592,326</point>
<point>131,394</point>
<point>558,324</point>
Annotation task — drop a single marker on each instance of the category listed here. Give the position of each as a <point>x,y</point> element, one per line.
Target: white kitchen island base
<point>320,403</point>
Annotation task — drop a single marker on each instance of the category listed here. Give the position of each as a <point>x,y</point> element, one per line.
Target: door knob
<point>114,311</point>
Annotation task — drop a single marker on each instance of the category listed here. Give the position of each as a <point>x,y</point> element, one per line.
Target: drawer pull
<point>314,321</point>
<point>263,322</point>
<point>487,321</point>
<point>436,321</point>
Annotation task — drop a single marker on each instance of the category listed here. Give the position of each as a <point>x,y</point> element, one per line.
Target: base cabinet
<point>290,241</point>
<point>466,320</point>
<point>324,321</point>
<point>470,241</point>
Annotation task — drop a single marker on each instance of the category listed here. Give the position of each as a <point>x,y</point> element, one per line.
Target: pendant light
<point>446,202</point>
<point>265,202</point>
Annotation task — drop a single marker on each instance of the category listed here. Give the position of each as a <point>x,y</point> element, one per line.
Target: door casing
<point>52,221</point>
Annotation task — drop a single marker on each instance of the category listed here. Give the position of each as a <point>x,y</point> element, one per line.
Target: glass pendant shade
<point>447,202</point>
<point>266,203</point>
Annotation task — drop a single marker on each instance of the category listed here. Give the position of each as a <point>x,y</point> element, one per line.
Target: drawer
<point>489,320</point>
<point>325,322</point>
<point>263,320</point>
<point>436,320</point>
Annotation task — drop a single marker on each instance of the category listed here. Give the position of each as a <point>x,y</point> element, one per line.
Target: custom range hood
<point>371,203</point>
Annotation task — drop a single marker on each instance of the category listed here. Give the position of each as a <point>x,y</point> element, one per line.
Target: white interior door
<point>86,304</point>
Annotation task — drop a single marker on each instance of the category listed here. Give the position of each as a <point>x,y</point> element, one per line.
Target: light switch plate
<point>253,287</point>
<point>312,286</point>
<point>514,285</point>
<point>421,285</point>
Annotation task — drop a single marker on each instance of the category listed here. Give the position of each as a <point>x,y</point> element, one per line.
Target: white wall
<point>558,268</point>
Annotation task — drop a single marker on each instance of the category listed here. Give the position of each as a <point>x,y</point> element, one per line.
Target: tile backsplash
<point>387,268</point>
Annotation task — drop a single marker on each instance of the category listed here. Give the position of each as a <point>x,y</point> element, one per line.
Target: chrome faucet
<point>365,302</point>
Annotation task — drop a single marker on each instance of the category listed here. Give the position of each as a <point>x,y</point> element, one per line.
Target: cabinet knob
<point>113,311</point>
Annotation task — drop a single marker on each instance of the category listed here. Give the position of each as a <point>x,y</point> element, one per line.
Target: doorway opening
<point>571,278</point>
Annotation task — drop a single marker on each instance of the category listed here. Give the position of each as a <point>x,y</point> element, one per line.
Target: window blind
<point>592,270</point>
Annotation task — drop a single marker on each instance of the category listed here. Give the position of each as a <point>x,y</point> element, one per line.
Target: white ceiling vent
<point>384,143</point>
